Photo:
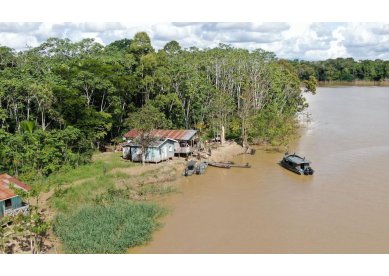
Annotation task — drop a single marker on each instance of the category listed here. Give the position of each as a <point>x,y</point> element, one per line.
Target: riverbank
<point>225,152</point>
<point>108,179</point>
<point>353,83</point>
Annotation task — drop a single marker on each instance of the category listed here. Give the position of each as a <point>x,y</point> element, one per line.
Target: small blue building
<point>10,202</point>
<point>160,150</point>
<point>186,139</point>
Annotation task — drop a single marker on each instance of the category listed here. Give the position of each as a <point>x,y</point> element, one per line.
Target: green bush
<point>108,229</point>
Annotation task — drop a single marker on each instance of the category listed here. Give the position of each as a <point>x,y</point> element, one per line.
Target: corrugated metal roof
<point>155,144</point>
<point>176,134</point>
<point>6,193</point>
<point>5,181</point>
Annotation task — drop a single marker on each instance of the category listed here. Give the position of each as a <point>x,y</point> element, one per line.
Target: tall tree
<point>145,121</point>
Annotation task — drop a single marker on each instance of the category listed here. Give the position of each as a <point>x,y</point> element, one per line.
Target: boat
<point>228,164</point>
<point>201,167</point>
<point>220,165</point>
<point>190,168</point>
<point>247,165</point>
<point>297,164</point>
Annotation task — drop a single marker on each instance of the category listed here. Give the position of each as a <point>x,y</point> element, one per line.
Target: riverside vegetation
<point>62,101</point>
<point>344,70</point>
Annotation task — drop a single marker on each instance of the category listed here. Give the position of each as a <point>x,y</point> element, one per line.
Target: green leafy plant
<point>108,228</point>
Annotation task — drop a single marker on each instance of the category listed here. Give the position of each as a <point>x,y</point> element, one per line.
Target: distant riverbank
<point>353,83</point>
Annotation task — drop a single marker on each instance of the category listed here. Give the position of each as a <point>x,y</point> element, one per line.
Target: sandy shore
<point>225,152</point>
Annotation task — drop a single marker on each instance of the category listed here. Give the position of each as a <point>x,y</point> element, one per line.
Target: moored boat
<point>247,165</point>
<point>220,165</point>
<point>190,168</point>
<point>228,164</point>
<point>201,167</point>
<point>297,164</point>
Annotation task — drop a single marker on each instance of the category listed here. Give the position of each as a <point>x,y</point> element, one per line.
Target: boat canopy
<point>297,160</point>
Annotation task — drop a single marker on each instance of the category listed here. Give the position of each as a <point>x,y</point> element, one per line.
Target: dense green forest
<point>62,100</point>
<point>343,69</point>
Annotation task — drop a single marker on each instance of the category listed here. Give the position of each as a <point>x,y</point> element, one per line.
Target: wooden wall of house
<point>153,155</point>
<point>2,206</point>
<point>170,149</point>
<point>15,201</point>
<point>126,152</point>
<point>177,147</point>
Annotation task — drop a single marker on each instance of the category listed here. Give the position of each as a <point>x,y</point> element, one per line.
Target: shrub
<point>109,228</point>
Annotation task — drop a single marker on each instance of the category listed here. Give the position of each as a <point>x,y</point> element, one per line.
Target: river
<point>342,208</point>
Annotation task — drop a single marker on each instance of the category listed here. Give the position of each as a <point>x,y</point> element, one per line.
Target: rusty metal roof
<point>155,144</point>
<point>6,193</point>
<point>5,181</point>
<point>176,134</point>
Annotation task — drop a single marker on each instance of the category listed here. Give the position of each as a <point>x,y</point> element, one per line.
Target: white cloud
<point>16,41</point>
<point>10,27</point>
<point>302,40</point>
<point>99,26</point>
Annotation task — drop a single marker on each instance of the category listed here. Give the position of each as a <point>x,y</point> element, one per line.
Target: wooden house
<point>186,139</point>
<point>10,202</point>
<point>160,150</point>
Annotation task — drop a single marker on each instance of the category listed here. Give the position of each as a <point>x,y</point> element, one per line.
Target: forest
<point>63,100</point>
<point>343,69</point>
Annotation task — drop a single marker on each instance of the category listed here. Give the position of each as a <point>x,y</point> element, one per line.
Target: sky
<point>292,40</point>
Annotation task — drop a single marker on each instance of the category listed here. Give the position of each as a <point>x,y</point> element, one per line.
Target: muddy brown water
<point>343,208</point>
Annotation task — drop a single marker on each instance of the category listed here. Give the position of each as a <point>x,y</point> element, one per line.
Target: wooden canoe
<point>247,165</point>
<point>220,165</point>
<point>229,164</point>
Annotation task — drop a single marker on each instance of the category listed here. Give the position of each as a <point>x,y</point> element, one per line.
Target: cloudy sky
<point>309,41</point>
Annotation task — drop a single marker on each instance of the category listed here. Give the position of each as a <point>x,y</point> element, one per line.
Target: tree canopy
<point>62,100</point>
<point>343,69</point>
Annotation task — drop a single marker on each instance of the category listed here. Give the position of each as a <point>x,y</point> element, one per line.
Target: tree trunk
<point>43,121</point>
<point>143,156</point>
<point>222,136</point>
<point>187,115</point>
<point>28,109</point>
<point>31,245</point>
<point>102,103</point>
<point>244,136</point>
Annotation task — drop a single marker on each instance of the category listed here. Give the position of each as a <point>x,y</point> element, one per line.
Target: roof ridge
<point>6,179</point>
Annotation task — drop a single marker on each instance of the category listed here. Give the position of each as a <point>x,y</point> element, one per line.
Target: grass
<point>68,199</point>
<point>96,215</point>
<point>81,186</point>
<point>109,228</point>
<point>151,189</point>
<point>102,165</point>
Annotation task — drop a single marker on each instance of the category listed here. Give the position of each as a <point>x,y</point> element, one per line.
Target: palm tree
<point>27,126</point>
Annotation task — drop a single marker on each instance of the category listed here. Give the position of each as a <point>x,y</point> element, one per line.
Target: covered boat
<point>190,168</point>
<point>296,164</point>
<point>201,167</point>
